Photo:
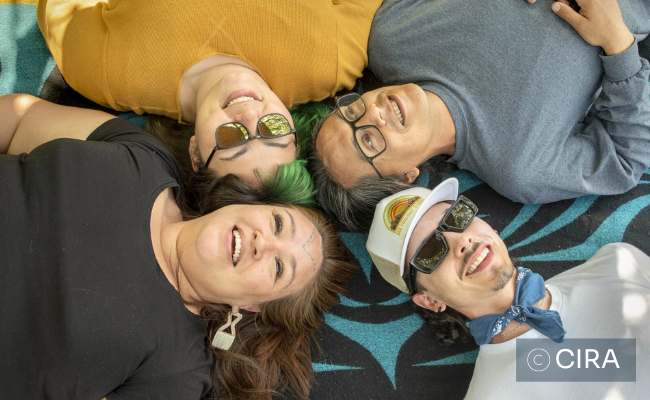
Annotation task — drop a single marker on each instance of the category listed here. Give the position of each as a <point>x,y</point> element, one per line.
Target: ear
<point>250,307</point>
<point>411,175</point>
<point>424,301</point>
<point>194,154</point>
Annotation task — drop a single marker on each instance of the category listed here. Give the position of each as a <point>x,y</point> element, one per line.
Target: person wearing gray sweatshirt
<point>542,105</point>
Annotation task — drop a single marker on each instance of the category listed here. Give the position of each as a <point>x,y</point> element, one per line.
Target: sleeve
<point>190,385</point>
<point>118,130</point>
<point>609,150</point>
<point>613,261</point>
<point>627,256</point>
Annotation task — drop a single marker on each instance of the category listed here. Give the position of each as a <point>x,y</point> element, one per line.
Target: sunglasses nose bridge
<point>249,118</point>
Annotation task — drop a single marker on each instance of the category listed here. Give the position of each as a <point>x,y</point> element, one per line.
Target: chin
<point>503,274</point>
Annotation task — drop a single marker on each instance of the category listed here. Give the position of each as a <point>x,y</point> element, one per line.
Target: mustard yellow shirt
<point>133,54</point>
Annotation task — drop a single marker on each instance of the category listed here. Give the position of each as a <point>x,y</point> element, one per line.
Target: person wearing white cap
<point>429,243</point>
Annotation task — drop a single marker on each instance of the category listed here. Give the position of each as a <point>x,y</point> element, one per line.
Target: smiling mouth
<point>397,111</point>
<point>238,100</point>
<point>236,246</point>
<point>240,96</point>
<point>478,261</point>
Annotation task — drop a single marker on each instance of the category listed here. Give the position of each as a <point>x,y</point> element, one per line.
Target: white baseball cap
<point>395,218</point>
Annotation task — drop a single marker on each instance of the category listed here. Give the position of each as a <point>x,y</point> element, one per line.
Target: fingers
<point>562,9</point>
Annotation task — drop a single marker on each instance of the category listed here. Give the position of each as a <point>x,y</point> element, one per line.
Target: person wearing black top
<point>106,290</point>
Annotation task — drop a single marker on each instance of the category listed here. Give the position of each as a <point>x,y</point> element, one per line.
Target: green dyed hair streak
<point>305,117</point>
<point>291,184</point>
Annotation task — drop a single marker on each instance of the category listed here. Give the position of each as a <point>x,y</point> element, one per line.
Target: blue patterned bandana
<point>530,290</point>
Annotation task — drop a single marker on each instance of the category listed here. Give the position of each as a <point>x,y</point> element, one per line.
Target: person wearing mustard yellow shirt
<point>227,69</point>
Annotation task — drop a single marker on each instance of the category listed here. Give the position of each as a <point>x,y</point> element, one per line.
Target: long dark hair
<point>449,325</point>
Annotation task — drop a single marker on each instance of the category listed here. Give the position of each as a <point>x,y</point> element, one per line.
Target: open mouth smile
<point>236,246</point>
<point>481,262</point>
<point>240,96</point>
<point>397,107</point>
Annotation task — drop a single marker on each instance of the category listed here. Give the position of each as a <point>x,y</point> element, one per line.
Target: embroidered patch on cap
<point>398,210</point>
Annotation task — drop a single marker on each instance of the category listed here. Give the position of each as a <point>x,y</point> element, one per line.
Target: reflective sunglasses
<point>434,248</point>
<point>233,134</point>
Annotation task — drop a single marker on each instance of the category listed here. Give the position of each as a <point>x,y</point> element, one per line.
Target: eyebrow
<point>293,258</point>
<point>236,155</point>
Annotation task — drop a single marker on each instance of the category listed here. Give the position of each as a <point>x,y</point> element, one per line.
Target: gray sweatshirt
<point>540,115</point>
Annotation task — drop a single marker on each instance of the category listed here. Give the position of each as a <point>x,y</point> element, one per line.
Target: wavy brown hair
<point>271,353</point>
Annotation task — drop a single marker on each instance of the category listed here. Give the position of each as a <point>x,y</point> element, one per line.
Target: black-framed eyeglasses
<point>434,248</point>
<point>369,139</point>
<point>233,134</point>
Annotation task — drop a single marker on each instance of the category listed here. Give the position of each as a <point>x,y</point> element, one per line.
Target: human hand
<point>599,23</point>
<point>572,3</point>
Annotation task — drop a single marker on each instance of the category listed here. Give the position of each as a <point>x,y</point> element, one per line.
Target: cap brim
<point>447,190</point>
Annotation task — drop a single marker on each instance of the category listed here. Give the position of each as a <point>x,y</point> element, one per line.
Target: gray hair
<point>354,207</point>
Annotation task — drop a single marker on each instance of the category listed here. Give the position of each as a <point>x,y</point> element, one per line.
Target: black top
<point>86,311</point>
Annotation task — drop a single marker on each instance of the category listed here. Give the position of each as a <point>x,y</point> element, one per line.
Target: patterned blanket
<point>374,346</point>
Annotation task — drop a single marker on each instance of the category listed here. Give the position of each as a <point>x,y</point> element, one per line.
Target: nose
<point>460,243</point>
<point>249,117</point>
<point>261,245</point>
<point>373,116</point>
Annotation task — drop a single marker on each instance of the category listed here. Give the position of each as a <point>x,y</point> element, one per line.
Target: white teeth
<point>235,255</point>
<point>239,100</point>
<point>397,111</point>
<point>479,260</point>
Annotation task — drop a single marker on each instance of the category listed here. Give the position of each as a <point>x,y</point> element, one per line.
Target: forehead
<point>341,157</point>
<point>334,123</point>
<point>307,245</point>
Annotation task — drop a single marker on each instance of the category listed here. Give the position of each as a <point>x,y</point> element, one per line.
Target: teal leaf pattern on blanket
<point>385,339</point>
<point>528,228</point>
<point>462,358</point>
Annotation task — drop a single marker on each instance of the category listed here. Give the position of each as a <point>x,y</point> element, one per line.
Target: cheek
<point>502,253</point>
<point>210,248</point>
<point>273,104</point>
<point>205,128</point>
<point>443,288</point>
<point>399,146</point>
<point>205,141</point>
<point>256,281</point>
